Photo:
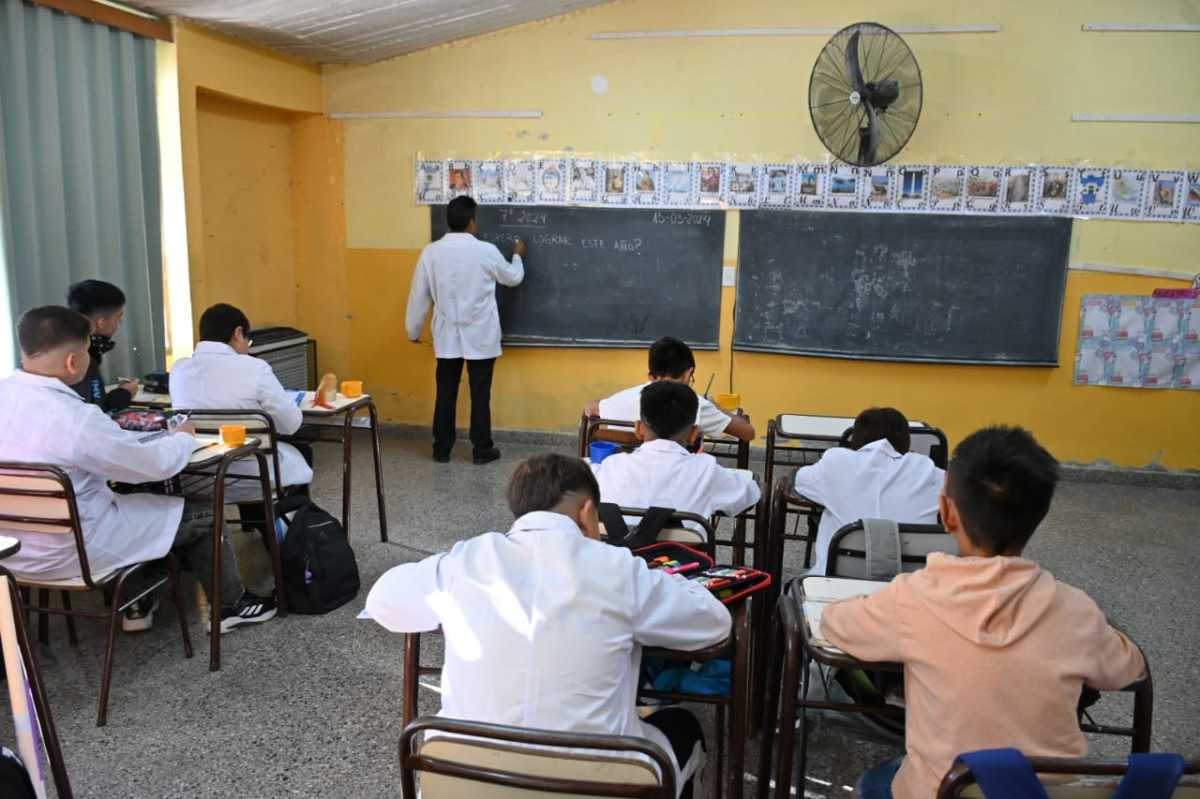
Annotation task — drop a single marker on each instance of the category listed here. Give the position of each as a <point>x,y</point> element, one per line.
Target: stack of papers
<point>820,592</point>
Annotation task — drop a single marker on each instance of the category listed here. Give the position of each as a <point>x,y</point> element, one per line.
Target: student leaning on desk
<point>671,359</point>
<point>104,306</point>
<point>46,422</point>
<point>996,652</point>
<point>545,625</point>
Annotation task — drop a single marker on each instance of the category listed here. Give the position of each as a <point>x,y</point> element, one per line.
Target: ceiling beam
<point>113,17</point>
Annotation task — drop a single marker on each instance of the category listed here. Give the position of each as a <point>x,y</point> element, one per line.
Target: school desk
<point>733,729</point>
<point>211,462</point>
<point>318,419</point>
<point>798,640</point>
<point>144,399</point>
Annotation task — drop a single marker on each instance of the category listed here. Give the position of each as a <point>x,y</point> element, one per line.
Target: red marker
<point>687,567</point>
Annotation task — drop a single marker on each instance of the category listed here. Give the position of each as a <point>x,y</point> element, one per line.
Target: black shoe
<point>483,456</point>
<point>441,457</point>
<point>250,609</point>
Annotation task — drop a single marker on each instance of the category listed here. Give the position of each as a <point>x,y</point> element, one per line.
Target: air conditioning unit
<point>287,350</point>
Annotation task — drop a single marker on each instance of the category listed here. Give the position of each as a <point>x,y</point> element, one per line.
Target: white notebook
<point>820,592</point>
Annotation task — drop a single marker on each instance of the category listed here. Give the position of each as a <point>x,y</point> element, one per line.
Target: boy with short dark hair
<point>662,473</point>
<point>221,374</point>
<point>875,478</point>
<point>966,625</point>
<point>47,423</point>
<point>671,359</point>
<point>545,625</point>
<point>104,306</point>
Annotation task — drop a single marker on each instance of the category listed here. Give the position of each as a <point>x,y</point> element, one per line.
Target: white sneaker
<point>139,616</point>
<point>250,609</point>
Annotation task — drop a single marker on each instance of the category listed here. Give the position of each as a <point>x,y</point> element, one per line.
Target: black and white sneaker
<point>139,616</point>
<point>251,609</point>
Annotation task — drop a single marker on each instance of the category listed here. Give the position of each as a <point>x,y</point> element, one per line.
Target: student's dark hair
<point>95,296</point>
<point>874,424</point>
<point>459,213</point>
<point>670,357</point>
<point>1002,482</point>
<point>219,322</point>
<point>669,408</point>
<point>50,327</point>
<point>541,482</point>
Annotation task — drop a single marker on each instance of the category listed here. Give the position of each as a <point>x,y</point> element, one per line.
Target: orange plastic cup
<point>233,435</point>
<point>352,389</point>
<point>728,402</point>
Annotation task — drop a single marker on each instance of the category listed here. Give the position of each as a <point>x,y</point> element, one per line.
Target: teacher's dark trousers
<point>479,375</point>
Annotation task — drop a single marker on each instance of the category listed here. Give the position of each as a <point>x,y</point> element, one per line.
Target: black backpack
<point>14,779</point>
<point>319,569</point>
<point>644,534</point>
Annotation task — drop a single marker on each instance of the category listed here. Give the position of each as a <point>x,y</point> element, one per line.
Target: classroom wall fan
<point>865,94</point>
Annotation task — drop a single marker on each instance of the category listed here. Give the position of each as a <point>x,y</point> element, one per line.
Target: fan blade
<point>856,79</point>
<point>868,140</point>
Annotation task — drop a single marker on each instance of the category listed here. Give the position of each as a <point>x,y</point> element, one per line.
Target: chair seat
<point>67,583</point>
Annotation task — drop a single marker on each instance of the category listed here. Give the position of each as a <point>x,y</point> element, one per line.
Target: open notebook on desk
<point>820,592</point>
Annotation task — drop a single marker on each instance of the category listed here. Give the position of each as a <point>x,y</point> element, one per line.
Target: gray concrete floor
<point>310,705</point>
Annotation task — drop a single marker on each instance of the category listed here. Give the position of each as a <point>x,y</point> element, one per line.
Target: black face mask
<point>101,345</point>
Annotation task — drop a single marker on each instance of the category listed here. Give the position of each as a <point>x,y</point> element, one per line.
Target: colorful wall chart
<point>1134,341</point>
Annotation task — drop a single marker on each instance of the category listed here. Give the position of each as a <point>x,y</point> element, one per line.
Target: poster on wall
<point>646,183</point>
<point>879,188</point>
<point>711,183</point>
<point>914,188</point>
<point>742,188</point>
<point>1091,191</point>
<point>1134,341</point>
<point>810,186</point>
<point>459,178</point>
<point>1191,207</point>
<point>584,185</point>
<point>489,181</point>
<point>520,180</point>
<point>551,180</point>
<point>983,188</point>
<point>1127,193</point>
<point>946,190</point>
<point>679,184</point>
<point>776,190</point>
<point>1054,187</point>
<point>430,178</point>
<point>843,187</point>
<point>615,188</point>
<point>1016,192</point>
<point>1165,194</point>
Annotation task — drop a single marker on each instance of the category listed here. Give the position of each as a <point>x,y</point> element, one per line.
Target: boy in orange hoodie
<point>996,651</point>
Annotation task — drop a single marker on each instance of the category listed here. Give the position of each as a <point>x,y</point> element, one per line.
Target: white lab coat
<point>874,482</point>
<point>626,406</point>
<point>457,275</point>
<point>216,377</point>
<point>45,421</point>
<point>663,474</point>
<point>544,627</point>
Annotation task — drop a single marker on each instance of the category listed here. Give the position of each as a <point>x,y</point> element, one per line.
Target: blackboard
<point>607,277</point>
<point>906,287</point>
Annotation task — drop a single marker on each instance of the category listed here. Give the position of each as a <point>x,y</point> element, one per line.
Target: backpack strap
<point>1004,774</point>
<point>883,548</point>
<point>644,534</point>
<point>1150,776</point>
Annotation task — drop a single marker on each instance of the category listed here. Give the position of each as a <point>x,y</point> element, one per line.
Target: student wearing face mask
<point>104,306</point>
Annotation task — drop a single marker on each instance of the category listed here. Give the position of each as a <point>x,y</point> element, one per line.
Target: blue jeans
<point>876,782</point>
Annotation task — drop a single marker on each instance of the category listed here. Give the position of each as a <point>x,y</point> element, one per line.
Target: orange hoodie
<point>995,654</point>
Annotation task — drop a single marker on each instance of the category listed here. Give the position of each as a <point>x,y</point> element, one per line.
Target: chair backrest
<point>595,429</point>
<point>675,530</point>
<point>847,554</point>
<point>258,423</point>
<point>498,762</point>
<point>1067,778</point>
<point>928,441</point>
<point>39,498</point>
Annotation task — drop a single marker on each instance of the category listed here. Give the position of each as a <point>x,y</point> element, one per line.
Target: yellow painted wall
<point>1004,98</point>
<point>262,174</point>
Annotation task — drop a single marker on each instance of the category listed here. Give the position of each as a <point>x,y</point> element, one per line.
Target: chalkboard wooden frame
<point>637,272</point>
<point>842,258</point>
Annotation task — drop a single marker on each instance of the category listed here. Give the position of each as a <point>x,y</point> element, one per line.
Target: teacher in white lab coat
<point>457,276</point>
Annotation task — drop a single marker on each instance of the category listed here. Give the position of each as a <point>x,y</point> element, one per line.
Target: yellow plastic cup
<point>728,402</point>
<point>233,435</point>
<point>351,389</point>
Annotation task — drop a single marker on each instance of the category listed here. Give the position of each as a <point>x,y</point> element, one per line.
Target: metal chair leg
<point>720,743</point>
<point>110,643</point>
<point>43,616</point>
<point>72,638</point>
<point>377,452</point>
<point>770,709</point>
<point>177,598</point>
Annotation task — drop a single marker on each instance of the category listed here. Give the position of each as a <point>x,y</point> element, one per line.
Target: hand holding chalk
<point>519,247</point>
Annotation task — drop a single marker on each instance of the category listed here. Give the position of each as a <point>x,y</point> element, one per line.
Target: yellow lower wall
<point>544,389</point>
